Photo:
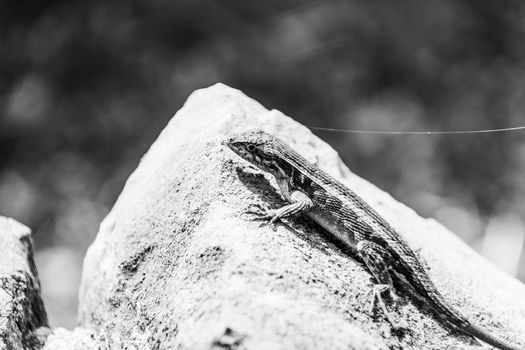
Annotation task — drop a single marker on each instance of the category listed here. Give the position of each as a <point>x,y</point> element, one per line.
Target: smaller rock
<point>21,308</point>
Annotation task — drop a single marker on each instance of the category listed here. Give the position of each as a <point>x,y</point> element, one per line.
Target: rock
<point>21,308</point>
<point>77,339</point>
<point>176,265</point>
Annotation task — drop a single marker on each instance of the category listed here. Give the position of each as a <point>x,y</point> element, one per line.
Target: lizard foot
<point>375,297</point>
<point>260,213</point>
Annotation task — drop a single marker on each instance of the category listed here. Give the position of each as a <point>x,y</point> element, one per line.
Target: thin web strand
<point>482,131</point>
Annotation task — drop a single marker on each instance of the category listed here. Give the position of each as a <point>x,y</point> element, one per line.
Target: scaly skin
<point>351,221</point>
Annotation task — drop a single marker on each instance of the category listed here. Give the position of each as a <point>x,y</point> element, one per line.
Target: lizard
<point>352,222</point>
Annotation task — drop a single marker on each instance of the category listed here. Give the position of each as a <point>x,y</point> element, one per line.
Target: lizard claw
<point>257,210</point>
<point>269,218</point>
<point>374,297</point>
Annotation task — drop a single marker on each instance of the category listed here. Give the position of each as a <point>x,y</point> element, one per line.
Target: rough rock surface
<point>77,339</point>
<point>175,265</point>
<point>21,308</point>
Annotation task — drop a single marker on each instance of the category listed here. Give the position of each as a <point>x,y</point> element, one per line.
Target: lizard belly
<point>334,226</point>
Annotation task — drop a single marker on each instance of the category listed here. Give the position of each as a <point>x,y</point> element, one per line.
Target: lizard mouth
<point>235,148</point>
<point>230,145</point>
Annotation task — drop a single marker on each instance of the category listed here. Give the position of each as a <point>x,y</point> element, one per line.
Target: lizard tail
<point>457,319</point>
<point>489,339</point>
<point>451,315</point>
<point>462,323</point>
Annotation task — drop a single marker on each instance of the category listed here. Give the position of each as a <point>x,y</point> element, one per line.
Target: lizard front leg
<point>300,203</point>
<point>377,260</point>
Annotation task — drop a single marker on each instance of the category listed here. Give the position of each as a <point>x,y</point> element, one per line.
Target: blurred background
<point>86,87</point>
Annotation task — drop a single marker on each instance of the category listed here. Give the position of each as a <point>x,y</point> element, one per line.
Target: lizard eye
<point>251,148</point>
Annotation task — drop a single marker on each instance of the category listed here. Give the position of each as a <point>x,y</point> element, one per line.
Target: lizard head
<point>257,147</point>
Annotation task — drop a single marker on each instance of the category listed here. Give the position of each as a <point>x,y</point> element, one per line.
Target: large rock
<point>175,265</point>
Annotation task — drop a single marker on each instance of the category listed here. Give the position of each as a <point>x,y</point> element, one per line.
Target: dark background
<point>86,86</point>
